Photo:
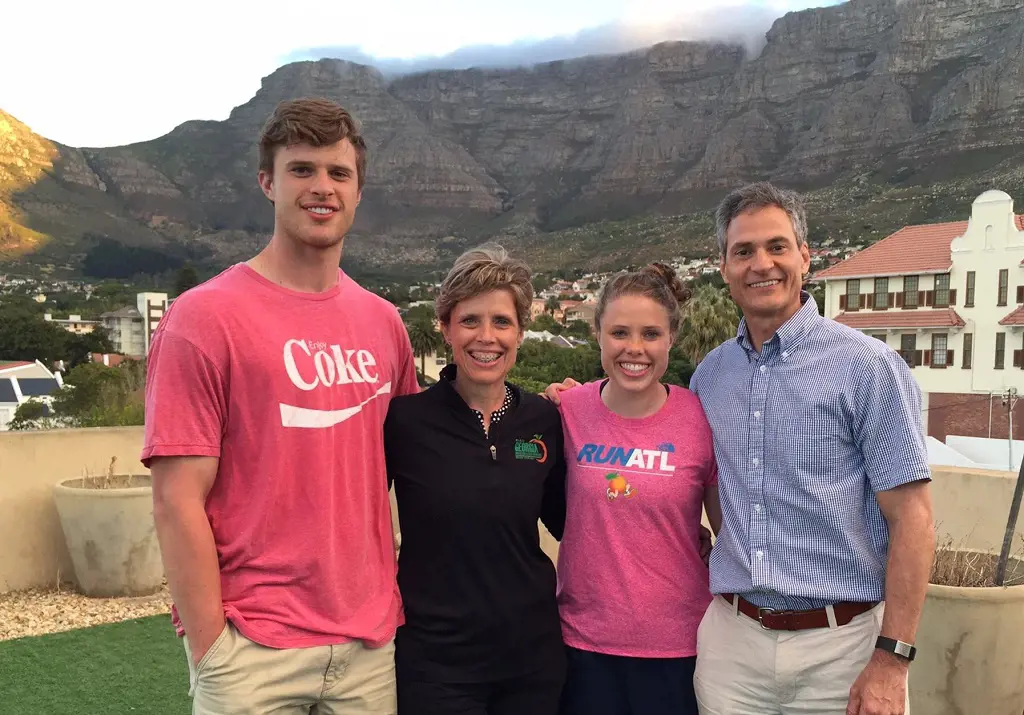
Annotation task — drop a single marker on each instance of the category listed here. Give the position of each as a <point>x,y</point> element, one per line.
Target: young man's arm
<point>180,488</point>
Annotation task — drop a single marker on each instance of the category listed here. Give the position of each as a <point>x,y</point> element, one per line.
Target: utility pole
<point>1010,399</point>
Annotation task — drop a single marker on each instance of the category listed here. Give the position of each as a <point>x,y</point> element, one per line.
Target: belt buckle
<point>760,617</point>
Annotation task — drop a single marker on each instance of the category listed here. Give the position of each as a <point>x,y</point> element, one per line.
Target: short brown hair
<point>655,281</point>
<point>481,270</point>
<point>317,122</point>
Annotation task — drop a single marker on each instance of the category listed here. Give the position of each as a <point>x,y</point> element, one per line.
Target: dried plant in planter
<point>956,566</point>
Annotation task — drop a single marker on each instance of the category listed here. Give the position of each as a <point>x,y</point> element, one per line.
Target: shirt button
<point>760,554</point>
<point>757,413</point>
<point>764,368</point>
<point>785,354</point>
<point>757,507</point>
<point>755,461</point>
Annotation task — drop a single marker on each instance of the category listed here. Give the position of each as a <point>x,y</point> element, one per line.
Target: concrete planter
<point>970,658</point>
<point>109,530</point>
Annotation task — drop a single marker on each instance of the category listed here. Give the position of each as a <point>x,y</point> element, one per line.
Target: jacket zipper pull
<point>494,453</point>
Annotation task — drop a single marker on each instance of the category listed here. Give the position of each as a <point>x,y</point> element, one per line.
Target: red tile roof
<point>13,364</point>
<point>946,317</point>
<point>913,249</point>
<point>1014,318</point>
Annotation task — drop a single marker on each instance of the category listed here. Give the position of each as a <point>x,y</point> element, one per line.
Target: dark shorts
<point>598,684</point>
<point>534,695</point>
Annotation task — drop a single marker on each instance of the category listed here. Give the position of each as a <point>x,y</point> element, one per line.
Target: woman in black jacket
<point>475,463</point>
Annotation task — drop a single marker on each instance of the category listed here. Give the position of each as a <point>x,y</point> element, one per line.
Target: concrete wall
<point>971,506</point>
<point>32,551</point>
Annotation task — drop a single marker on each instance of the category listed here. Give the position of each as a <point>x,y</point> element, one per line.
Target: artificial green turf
<point>131,668</point>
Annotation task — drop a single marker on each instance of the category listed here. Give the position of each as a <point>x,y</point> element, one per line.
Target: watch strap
<point>904,650</point>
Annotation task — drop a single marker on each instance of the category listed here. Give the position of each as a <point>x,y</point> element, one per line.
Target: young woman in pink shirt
<point>632,586</point>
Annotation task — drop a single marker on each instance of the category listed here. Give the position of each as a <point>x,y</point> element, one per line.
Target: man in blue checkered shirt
<point>822,564</point>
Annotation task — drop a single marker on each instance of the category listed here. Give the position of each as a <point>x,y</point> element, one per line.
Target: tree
<point>552,304</point>
<point>425,340</point>
<point>711,319</point>
<point>543,322</point>
<point>26,336</point>
<point>185,279</point>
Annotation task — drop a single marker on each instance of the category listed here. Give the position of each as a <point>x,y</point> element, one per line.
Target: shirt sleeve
<point>553,505</point>
<point>186,400</point>
<point>888,424</point>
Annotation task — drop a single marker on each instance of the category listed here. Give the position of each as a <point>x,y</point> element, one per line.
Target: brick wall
<point>967,415</point>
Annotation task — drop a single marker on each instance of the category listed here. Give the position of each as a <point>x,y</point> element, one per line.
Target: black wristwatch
<point>891,645</point>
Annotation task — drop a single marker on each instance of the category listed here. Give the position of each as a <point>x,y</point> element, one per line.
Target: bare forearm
<point>190,564</point>
<point>911,552</point>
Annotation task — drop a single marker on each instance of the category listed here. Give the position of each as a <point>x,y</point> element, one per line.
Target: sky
<point>113,72</point>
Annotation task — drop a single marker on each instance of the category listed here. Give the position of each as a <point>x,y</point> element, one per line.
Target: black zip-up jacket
<point>478,591</point>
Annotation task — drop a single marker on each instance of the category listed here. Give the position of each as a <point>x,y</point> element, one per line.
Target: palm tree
<point>425,340</point>
<point>711,319</point>
<point>552,304</point>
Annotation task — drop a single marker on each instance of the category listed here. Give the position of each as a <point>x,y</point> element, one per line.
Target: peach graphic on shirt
<point>618,486</point>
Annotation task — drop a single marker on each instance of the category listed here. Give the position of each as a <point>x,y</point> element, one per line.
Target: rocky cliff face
<point>906,91</point>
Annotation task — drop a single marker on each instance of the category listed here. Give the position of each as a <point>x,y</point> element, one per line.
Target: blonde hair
<point>655,281</point>
<point>481,270</point>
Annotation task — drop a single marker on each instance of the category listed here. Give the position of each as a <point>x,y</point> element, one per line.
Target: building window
<point>910,285</point>
<point>941,291</point>
<point>879,336</point>
<point>1000,350</point>
<point>1004,285</point>
<point>881,293</point>
<point>968,350</point>
<point>939,343</point>
<point>969,297</point>
<point>853,294</point>
<point>908,348</point>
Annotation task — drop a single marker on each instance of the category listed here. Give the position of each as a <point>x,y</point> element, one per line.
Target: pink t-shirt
<point>630,578</point>
<point>290,391</point>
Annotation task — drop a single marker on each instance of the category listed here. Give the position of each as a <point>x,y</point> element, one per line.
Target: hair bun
<point>667,275</point>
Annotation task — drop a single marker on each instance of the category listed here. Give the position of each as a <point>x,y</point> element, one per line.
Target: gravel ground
<point>37,612</point>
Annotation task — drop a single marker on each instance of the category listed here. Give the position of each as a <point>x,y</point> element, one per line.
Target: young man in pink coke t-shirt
<point>265,401</point>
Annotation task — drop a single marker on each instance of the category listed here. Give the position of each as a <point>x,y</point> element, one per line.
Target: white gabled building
<point>950,298</point>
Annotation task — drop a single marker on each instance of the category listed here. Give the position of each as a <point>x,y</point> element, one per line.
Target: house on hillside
<point>73,323</point>
<point>949,297</point>
<point>131,328</point>
<point>21,381</point>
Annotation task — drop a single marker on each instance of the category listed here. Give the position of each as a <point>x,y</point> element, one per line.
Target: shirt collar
<point>791,333</point>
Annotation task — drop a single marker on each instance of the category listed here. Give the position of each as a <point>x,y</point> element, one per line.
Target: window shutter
<point>1020,294</point>
<point>927,357</point>
<point>949,358</point>
<point>842,302</point>
<point>892,300</point>
<point>929,297</point>
<point>952,296</point>
<point>863,301</point>
<point>917,358</point>
<point>871,300</point>
<point>899,300</point>
<point>920,297</point>
<point>1017,357</point>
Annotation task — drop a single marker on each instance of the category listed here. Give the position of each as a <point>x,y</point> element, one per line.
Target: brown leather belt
<point>773,620</point>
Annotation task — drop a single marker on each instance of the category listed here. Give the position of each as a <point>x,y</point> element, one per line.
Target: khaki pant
<point>743,669</point>
<point>240,677</point>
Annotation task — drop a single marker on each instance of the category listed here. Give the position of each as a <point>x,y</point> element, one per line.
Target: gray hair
<point>481,270</point>
<point>758,196</point>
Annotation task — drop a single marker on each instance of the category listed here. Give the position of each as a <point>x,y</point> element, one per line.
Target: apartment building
<point>73,323</point>
<point>131,328</point>
<point>949,297</point>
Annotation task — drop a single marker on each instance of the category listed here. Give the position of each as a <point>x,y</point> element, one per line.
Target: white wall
<point>988,453</point>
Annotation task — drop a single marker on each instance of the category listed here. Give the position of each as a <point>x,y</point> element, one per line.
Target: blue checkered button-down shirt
<point>806,432</point>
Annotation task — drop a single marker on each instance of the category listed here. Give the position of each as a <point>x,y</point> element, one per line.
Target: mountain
<point>885,111</point>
